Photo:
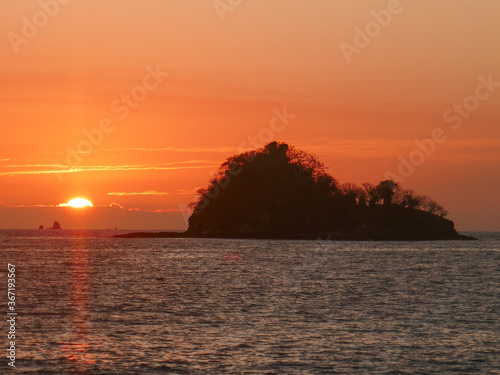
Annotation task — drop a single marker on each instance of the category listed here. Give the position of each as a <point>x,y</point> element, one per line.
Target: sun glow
<point>77,203</point>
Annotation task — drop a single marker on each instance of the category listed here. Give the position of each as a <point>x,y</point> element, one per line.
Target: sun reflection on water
<point>77,351</point>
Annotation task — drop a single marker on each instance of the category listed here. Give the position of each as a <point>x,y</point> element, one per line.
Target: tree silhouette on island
<point>280,192</point>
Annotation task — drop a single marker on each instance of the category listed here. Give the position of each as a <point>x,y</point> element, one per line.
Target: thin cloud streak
<point>158,211</point>
<point>147,192</point>
<point>111,205</point>
<point>170,210</point>
<point>153,193</point>
<point>176,149</point>
<point>61,205</point>
<point>97,166</point>
<point>159,149</point>
<point>28,205</point>
<point>185,191</point>
<point>457,150</point>
<point>103,168</point>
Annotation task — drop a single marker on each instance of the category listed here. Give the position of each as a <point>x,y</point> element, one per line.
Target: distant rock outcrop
<point>40,227</point>
<point>56,225</point>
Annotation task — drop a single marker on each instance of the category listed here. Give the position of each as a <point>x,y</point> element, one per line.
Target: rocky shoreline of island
<point>328,237</point>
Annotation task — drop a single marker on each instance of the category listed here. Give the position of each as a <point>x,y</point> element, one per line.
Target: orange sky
<point>205,80</point>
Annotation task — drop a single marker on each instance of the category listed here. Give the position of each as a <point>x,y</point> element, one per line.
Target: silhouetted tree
<point>407,198</point>
<point>351,193</point>
<point>386,190</point>
<point>372,194</point>
<point>431,206</point>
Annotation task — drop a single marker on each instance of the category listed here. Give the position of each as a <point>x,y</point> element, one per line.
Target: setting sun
<point>77,203</point>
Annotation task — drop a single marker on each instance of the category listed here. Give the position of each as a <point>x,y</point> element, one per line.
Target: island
<point>56,225</point>
<point>281,192</point>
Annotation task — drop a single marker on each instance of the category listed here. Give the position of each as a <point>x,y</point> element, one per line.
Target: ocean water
<point>89,304</point>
